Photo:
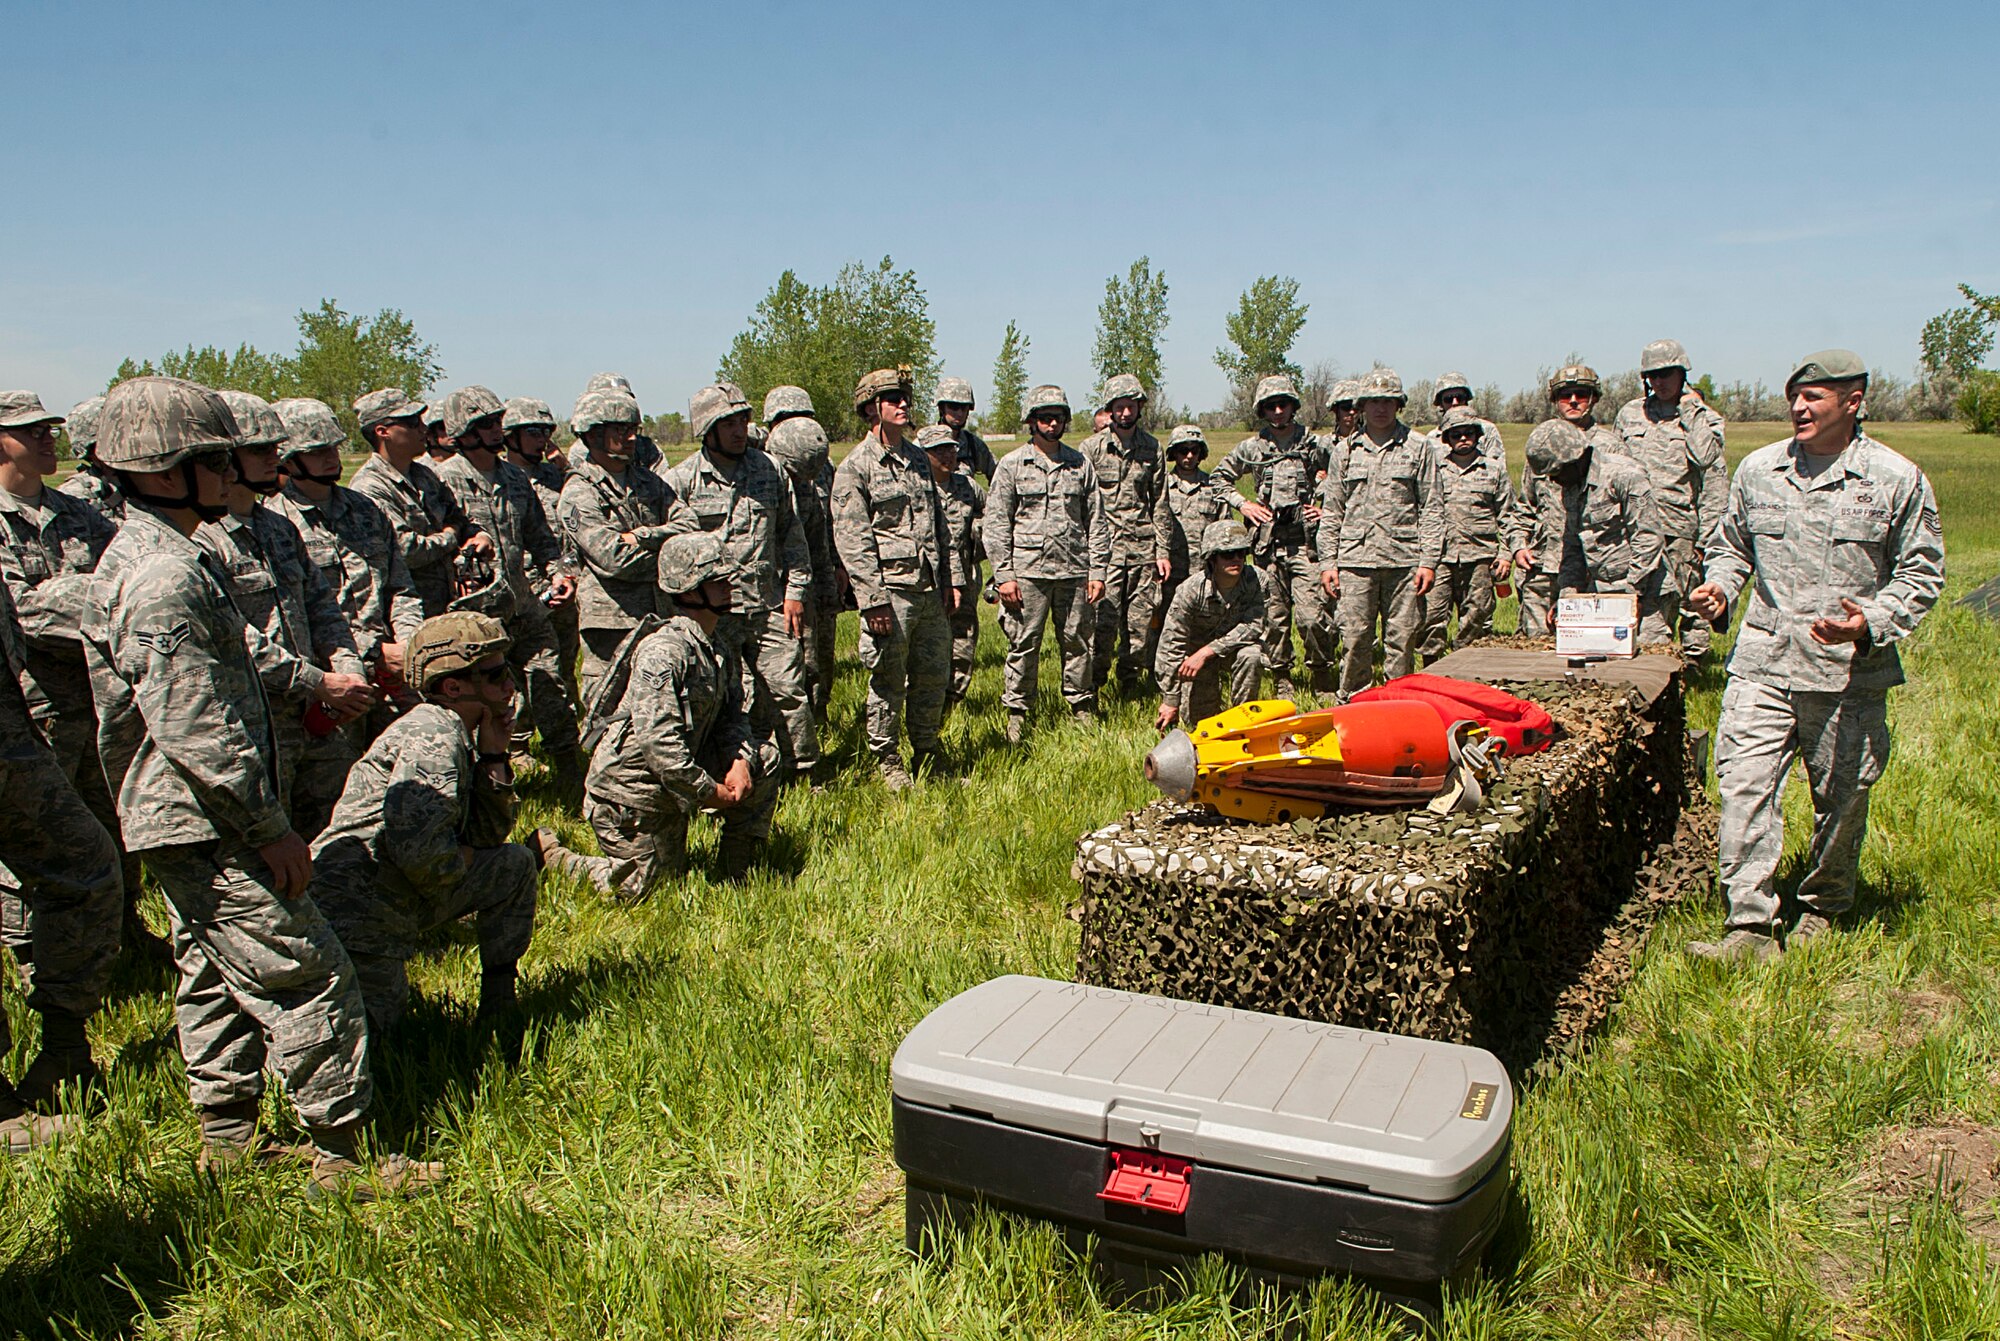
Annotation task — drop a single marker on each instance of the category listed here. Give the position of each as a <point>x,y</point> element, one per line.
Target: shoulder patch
<point>164,641</point>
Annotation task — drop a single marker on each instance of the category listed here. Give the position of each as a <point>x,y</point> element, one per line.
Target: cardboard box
<point>1605,625</point>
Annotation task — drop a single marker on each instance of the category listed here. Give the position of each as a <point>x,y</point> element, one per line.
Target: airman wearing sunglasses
<point>1531,545</point>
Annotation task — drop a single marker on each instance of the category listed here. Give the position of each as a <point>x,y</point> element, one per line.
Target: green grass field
<point>697,1140</point>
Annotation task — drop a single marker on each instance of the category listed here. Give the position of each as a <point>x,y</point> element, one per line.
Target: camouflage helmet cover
<point>1461,416</point>
<point>451,643</point>
<point>1045,397</point>
<point>1122,387</point>
<point>594,408</point>
<point>467,406</point>
<point>1662,355</point>
<point>881,380</point>
<point>1576,374</point>
<point>1450,381</point>
<point>1381,384</point>
<point>712,403</point>
<point>526,412</point>
<point>1346,391</point>
<point>257,424</point>
<point>798,443</point>
<point>783,400</point>
<point>690,559</point>
<point>1224,537</point>
<point>759,435</point>
<point>391,402</point>
<point>434,415</point>
<point>954,391</point>
<point>937,436</point>
<point>309,425</point>
<point>82,424</point>
<point>1555,443</point>
<point>153,423</point>
<point>1187,435</point>
<point>1278,386</point>
<point>609,382</point>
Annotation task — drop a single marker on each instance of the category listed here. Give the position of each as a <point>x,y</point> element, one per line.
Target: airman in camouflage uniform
<point>1574,392</point>
<point>728,488</point>
<point>432,531</point>
<point>62,903</point>
<point>1381,533</point>
<point>1477,497</point>
<point>1286,463</point>
<point>964,504</point>
<point>680,740</point>
<point>645,452</point>
<point>1673,433</point>
<point>1050,546</point>
<point>1453,391</point>
<point>307,652</point>
<point>440,445</point>
<point>90,481</point>
<point>1346,406</point>
<point>1189,501</point>
<point>1599,507</point>
<point>798,444</point>
<point>187,741</point>
<point>1131,473</point>
<point>1214,629</point>
<point>614,511</point>
<point>1837,539</point>
<point>526,425</point>
<point>954,411</point>
<point>531,577</point>
<point>419,838</point>
<point>889,527</point>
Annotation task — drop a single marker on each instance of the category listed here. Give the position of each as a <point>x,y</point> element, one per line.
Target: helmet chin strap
<point>264,488</point>
<point>304,474</point>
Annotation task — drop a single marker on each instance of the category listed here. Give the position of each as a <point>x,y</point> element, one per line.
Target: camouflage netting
<point>1513,927</point>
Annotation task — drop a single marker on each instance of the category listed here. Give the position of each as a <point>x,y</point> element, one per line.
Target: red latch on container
<point>1142,1178</point>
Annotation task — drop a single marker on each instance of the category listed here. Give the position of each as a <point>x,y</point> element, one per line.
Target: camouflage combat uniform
<point>1381,518</point>
<point>1285,475</point>
<point>1477,497</point>
<point>615,589</point>
<point>1607,535</point>
<point>1186,508</point>
<point>550,479</point>
<point>1045,530</point>
<point>673,737</point>
<point>750,503</point>
<point>964,503</point>
<point>1130,475</point>
<point>429,524</point>
<point>889,528</point>
<point>1233,624</point>
<point>1535,507</point>
<point>90,482</point>
<point>1680,447</point>
<point>390,868</point>
<point>799,445</point>
<point>187,741</point>
<point>974,456</point>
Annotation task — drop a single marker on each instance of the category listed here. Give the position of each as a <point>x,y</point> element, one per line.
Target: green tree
<point>342,357</point>
<point>1955,342</point>
<point>1264,327</point>
<point>824,338</point>
<point>248,369</point>
<point>1131,322</point>
<point>1010,383</point>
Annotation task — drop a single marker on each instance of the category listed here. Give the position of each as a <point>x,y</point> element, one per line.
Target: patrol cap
<point>1381,384</point>
<point>798,443</point>
<point>937,438</point>
<point>20,409</point>
<point>881,380</point>
<point>1575,374</point>
<point>257,424</point>
<point>1829,365</point>
<point>82,424</point>
<point>309,425</point>
<point>153,423</point>
<point>712,403</point>
<point>1187,435</point>
<point>1124,386</point>
<point>954,391</point>
<point>690,559</point>
<point>1555,443</point>
<point>603,406</point>
<point>449,644</point>
<point>1662,355</point>
<point>1450,381</point>
<point>467,406</point>
<point>1278,386</point>
<point>1224,537</point>
<point>780,401</point>
<point>390,403</point>
<point>1045,397</point>
<point>526,412</point>
<point>1458,417</point>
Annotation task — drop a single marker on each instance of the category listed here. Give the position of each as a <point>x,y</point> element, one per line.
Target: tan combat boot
<point>339,1169</point>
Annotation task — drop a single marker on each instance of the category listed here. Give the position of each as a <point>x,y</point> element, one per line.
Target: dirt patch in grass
<point>1959,1155</point>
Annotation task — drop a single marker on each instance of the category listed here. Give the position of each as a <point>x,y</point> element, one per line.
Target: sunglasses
<point>216,461</point>
<point>895,397</point>
<point>495,675</point>
<point>1575,393</point>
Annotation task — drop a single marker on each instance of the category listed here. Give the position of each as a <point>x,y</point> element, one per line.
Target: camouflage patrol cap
<point>1555,443</point>
<point>798,444</point>
<point>1187,435</point>
<point>21,409</point>
<point>467,406</point>
<point>1122,386</point>
<point>783,400</point>
<point>1381,384</point>
<point>449,644</point>
<point>954,391</point>
<point>153,423</point>
<point>875,383</point>
<point>1828,365</point>
<point>526,412</point>
<point>713,403</point>
<point>1045,397</point>
<point>937,438</point>
<point>309,425</point>
<point>1662,355</point>
<point>594,408</point>
<point>690,559</point>
<point>1224,537</point>
<point>391,402</point>
<point>1576,374</point>
<point>1278,386</point>
<point>610,382</point>
<point>1346,391</point>
<point>1450,381</point>
<point>257,424</point>
<point>82,424</point>
<point>1461,416</point>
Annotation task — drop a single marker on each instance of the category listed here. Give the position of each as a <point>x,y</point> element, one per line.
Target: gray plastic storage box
<point>1169,1129</point>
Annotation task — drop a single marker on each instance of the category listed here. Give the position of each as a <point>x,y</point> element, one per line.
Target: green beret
<point>1829,365</point>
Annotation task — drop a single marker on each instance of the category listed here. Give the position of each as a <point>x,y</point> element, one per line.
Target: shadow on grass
<point>1889,902</point>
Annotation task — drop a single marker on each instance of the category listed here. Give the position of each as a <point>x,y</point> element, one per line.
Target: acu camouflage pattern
<point>152,423</point>
<point>527,412</point>
<point>428,523</point>
<point>1662,355</point>
<point>712,403</point>
<point>594,408</point>
<point>81,425</point>
<point>954,391</point>
<point>309,425</point>
<point>467,406</point>
<point>1278,386</point>
<point>91,483</point>
<point>353,545</point>
<point>1122,386</point>
<point>780,401</point>
<point>1232,623</point>
<point>391,402</point>
<point>1044,397</point>
<point>610,381</point>
<point>257,424</point>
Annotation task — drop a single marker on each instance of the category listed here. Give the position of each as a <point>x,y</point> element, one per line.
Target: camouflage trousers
<point>316,769</point>
<point>1387,594</point>
<point>263,981</point>
<point>1671,617</point>
<point>774,673</point>
<point>909,669</point>
<point>1465,589</point>
<point>569,646</point>
<point>1293,594</point>
<point>538,668</point>
<point>1125,623</point>
<point>599,646</point>
<point>964,643</point>
<point>382,926</point>
<point>1043,598</point>
<point>1202,697</point>
<point>822,629</point>
<point>1537,591</point>
<point>71,732</point>
<point>61,896</point>
<point>657,840</point>
<point>1843,739</point>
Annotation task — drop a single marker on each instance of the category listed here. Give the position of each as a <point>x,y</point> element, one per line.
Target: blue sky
<point>550,190</point>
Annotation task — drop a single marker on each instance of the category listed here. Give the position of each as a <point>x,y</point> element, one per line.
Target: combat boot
<point>893,776</point>
<point>606,875</point>
<point>737,851</point>
<point>1742,943</point>
<point>230,1139</point>
<point>64,1060</point>
<point>21,1130</point>
<point>339,1169</point>
<point>1017,727</point>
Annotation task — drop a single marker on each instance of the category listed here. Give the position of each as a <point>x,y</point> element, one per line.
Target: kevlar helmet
<point>1278,386</point>
<point>309,425</point>
<point>1662,355</point>
<point>526,412</point>
<point>1576,374</point>
<point>467,406</point>
<point>875,383</point>
<point>390,403</point>
<point>714,402</point>
<point>780,401</point>
<point>1185,435</point>
<point>1045,397</point>
<point>1346,391</point>
<point>798,443</point>
<point>610,382</point>
<point>1224,537</point>
<point>154,423</point>
<point>1450,381</point>
<point>449,644</point>
<point>82,425</point>
<point>1460,417</point>
<point>257,424</point>
<point>1122,386</point>
<point>954,391</point>
<point>690,559</point>
<point>1381,384</point>
<point>595,408</point>
<point>1555,443</point>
